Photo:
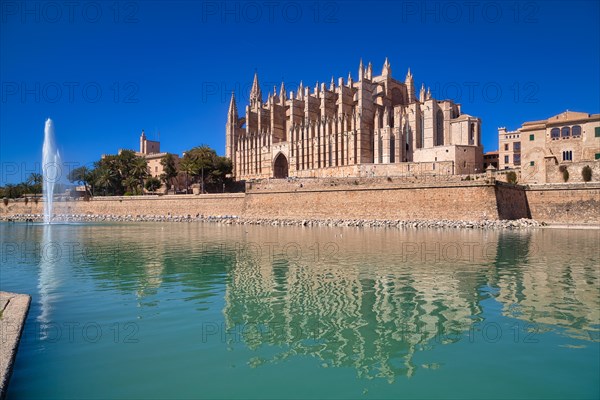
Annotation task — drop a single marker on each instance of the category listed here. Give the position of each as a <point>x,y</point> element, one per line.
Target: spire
<point>410,86</point>
<point>361,70</point>
<point>369,71</point>
<point>232,114</point>
<point>282,94</point>
<point>332,84</point>
<point>255,93</point>
<point>387,69</point>
<point>143,135</point>
<point>428,96</point>
<point>422,93</point>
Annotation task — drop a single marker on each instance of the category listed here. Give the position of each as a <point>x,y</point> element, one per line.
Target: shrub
<point>5,201</point>
<point>468,178</point>
<point>511,177</point>
<point>586,173</point>
<point>565,173</point>
<point>26,200</point>
<point>389,178</point>
<point>36,200</point>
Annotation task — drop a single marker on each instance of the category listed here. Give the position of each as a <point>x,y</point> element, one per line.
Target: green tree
<point>153,184</point>
<point>169,169</point>
<point>106,180</point>
<point>206,164</point>
<point>586,173</point>
<point>131,183</point>
<point>82,175</point>
<point>189,166</point>
<point>138,169</point>
<point>35,181</point>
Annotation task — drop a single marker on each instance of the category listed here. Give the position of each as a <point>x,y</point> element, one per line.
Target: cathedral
<point>374,126</point>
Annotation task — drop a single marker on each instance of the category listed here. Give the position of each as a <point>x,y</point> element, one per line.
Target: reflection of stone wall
<point>560,288</point>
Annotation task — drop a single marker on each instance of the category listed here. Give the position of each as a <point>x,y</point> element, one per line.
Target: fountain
<point>50,170</point>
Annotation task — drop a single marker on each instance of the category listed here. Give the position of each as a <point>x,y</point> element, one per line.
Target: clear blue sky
<point>103,71</point>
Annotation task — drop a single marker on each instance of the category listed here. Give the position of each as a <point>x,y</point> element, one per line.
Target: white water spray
<point>50,170</point>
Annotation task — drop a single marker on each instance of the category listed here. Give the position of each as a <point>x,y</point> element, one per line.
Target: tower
<point>143,142</point>
<point>387,69</point>
<point>410,87</point>
<point>255,93</point>
<point>231,128</point>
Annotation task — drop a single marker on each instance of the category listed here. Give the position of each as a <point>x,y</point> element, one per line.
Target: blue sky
<point>103,71</point>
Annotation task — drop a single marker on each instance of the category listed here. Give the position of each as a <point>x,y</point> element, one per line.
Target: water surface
<point>202,310</point>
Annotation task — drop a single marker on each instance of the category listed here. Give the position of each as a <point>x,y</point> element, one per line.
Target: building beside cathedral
<point>544,149</point>
<point>150,150</point>
<point>375,124</point>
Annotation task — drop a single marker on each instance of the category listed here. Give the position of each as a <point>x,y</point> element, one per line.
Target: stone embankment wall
<point>208,204</point>
<point>428,198</point>
<point>339,198</point>
<point>566,203</point>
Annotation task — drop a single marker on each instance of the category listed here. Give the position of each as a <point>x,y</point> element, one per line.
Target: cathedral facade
<point>376,123</point>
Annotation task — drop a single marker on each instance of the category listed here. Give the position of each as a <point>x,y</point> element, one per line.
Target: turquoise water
<point>208,311</point>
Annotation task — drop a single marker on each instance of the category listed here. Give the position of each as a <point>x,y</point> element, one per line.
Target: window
<point>439,131</point>
<point>517,146</point>
<point>597,131</point>
<point>597,156</point>
<point>532,137</point>
<point>555,133</point>
<point>472,134</point>
<point>517,159</point>
<point>576,131</point>
<point>505,159</point>
<point>505,146</point>
<point>565,131</point>
<point>532,163</point>
<point>567,155</point>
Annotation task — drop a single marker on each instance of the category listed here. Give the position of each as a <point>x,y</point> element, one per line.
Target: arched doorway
<point>280,166</point>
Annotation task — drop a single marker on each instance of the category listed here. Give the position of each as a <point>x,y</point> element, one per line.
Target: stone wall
<point>511,201</point>
<point>357,198</point>
<point>554,175</point>
<point>464,201</point>
<point>208,204</point>
<point>567,204</point>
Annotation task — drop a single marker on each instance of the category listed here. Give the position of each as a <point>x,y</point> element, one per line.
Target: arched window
<point>565,131</point>
<point>380,144</point>
<point>555,133</point>
<point>392,149</point>
<point>576,131</point>
<point>439,128</point>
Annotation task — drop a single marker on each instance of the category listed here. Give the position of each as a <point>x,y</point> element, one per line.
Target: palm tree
<point>189,166</point>
<point>131,183</point>
<point>105,179</point>
<point>35,181</point>
<point>139,170</point>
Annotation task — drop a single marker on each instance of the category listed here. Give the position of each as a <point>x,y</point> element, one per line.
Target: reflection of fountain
<point>50,169</point>
<point>48,281</point>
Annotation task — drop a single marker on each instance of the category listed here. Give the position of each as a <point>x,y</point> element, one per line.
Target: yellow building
<point>547,148</point>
